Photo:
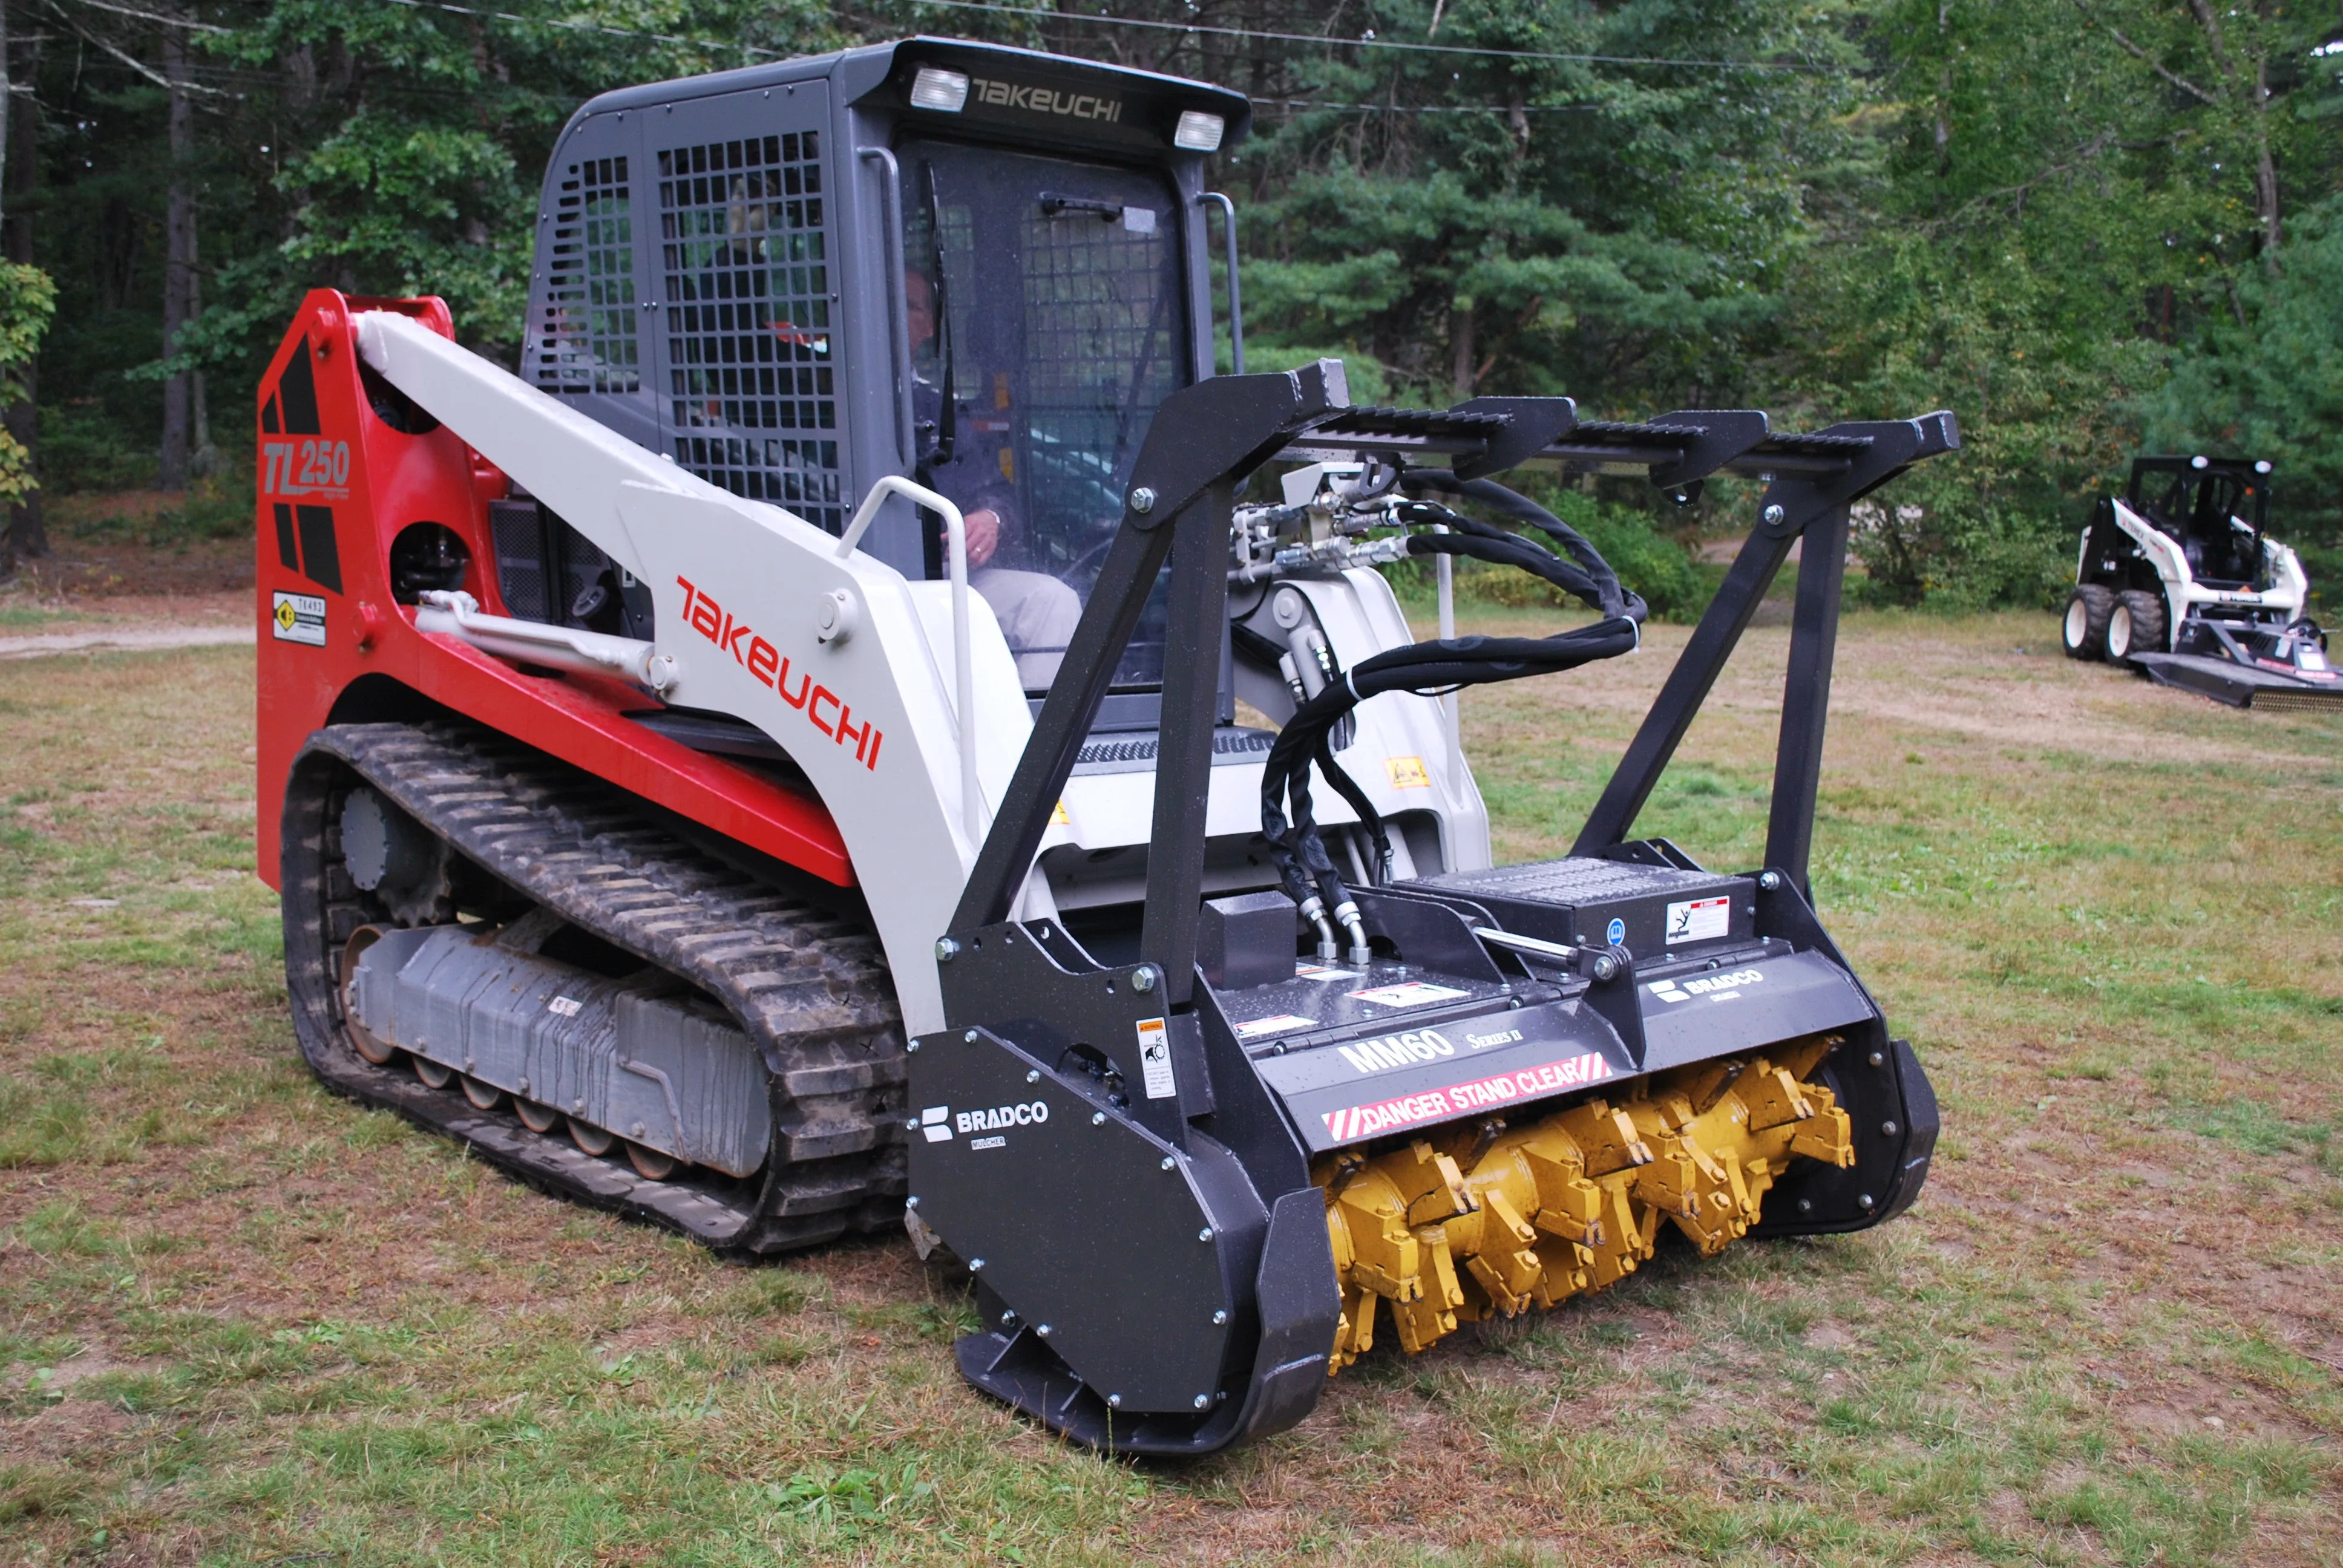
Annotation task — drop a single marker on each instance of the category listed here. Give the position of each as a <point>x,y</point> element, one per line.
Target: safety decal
<point>1408,993</point>
<point>298,618</point>
<point>1407,773</point>
<point>1616,932</point>
<point>1283,1023</point>
<point>1357,1121</point>
<point>565,1007</point>
<point>1322,972</point>
<point>1697,919</point>
<point>1155,1059</point>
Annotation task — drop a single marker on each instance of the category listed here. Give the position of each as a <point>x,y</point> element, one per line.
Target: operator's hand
<point>983,535</point>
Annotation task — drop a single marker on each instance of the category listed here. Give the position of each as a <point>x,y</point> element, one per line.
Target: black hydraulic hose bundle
<point>1428,669</point>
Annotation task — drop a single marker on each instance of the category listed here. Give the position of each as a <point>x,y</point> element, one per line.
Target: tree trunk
<point>2264,167</point>
<point>27,534</point>
<point>179,264</point>
<point>1459,339</point>
<point>7,99</point>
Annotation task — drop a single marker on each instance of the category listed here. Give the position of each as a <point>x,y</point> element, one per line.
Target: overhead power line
<point>157,19</point>
<point>1310,104</point>
<point>1551,56</point>
<point>717,44</point>
<point>1372,41</point>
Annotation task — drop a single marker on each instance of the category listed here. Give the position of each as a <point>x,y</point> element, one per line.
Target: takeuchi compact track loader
<point>771,768</point>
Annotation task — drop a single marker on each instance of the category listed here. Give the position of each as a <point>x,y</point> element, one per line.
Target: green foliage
<point>1648,562</point>
<point>2048,218</point>
<point>2045,218</point>
<point>2273,386</point>
<point>1546,225</point>
<point>84,446</point>
<point>27,300</point>
<point>1950,556</point>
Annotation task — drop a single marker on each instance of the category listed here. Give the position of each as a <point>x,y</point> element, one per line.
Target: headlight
<point>945,91</point>
<point>1199,132</point>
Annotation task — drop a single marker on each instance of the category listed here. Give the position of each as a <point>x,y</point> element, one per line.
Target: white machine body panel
<point>2288,591</point>
<point>859,690</point>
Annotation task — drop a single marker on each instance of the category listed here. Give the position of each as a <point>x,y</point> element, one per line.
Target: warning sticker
<point>1696,920</point>
<point>1283,1023</point>
<point>1408,993</point>
<point>1322,972</point>
<point>1155,1059</point>
<point>1354,1123</point>
<point>298,618</point>
<point>1407,773</point>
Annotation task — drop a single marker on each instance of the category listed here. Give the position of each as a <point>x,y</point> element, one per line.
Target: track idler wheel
<point>1479,1219</point>
<point>649,1163</point>
<point>590,1138</point>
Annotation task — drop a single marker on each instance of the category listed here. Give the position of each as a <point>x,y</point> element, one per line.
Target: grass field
<point>244,1322</point>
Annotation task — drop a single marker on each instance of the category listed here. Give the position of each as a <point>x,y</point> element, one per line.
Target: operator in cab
<point>1037,612</point>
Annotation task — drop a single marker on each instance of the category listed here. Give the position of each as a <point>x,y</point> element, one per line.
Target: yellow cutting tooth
<point>1432,1312</point>
<point>1481,1218</point>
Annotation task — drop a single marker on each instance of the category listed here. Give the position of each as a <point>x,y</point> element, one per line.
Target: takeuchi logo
<point>1046,100</point>
<point>823,708</point>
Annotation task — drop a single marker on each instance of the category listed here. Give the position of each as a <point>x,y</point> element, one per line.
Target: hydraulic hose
<point>1304,867</point>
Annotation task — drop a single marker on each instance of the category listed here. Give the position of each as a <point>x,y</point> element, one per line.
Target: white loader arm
<point>845,664</point>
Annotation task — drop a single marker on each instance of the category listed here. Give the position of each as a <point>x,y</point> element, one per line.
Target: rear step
<point>808,987</point>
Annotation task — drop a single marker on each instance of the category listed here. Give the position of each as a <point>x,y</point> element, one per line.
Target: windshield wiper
<point>1137,219</point>
<point>948,415</point>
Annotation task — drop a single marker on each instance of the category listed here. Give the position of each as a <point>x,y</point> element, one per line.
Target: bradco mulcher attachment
<point>771,768</point>
<point>2178,578</point>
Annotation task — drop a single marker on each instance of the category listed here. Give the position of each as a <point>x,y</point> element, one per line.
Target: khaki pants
<point>1037,615</point>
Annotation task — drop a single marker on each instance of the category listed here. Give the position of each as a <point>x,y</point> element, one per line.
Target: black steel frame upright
<point>1209,436</point>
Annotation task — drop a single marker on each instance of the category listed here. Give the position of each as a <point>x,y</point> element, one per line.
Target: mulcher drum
<point>808,988</point>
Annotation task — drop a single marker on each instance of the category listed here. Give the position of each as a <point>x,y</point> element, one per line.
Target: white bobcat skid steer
<point>2178,578</point>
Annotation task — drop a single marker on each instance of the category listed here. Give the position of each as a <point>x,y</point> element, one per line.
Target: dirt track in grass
<point>241,1322</point>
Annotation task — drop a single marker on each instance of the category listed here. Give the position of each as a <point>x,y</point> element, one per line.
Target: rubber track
<point>811,988</point>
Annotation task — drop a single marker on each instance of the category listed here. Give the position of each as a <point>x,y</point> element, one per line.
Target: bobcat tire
<point>2083,629</point>
<point>2141,616</point>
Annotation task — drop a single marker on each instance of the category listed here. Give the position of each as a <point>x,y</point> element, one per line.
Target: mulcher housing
<point>685,857</point>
